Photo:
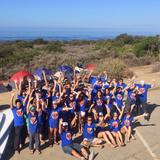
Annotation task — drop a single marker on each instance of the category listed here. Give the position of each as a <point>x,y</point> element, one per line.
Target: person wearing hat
<point>143,93</point>
<point>68,146</point>
<point>33,127</point>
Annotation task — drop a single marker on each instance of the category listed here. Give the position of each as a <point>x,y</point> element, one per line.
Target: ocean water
<point>16,33</point>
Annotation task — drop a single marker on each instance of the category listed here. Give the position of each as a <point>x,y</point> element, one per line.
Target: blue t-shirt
<point>72,104</point>
<point>92,80</point>
<point>33,123</point>
<point>119,98</point>
<point>143,90</point>
<point>114,125</point>
<point>132,97</point>
<point>98,87</point>
<point>123,85</point>
<point>21,98</point>
<point>89,131</point>
<point>101,128</point>
<point>18,114</point>
<point>54,98</point>
<point>53,115</point>
<point>107,97</point>
<point>127,121</point>
<point>66,138</point>
<point>109,106</point>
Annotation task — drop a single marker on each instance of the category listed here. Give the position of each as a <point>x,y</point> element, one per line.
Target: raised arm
<point>45,79</point>
<point>121,113</point>
<point>20,87</point>
<point>60,125</point>
<point>29,101</point>
<point>11,101</point>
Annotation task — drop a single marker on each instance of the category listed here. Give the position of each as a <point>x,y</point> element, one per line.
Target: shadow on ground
<point>3,107</point>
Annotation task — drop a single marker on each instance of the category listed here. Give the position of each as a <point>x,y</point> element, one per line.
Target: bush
<point>24,44</point>
<point>6,50</point>
<point>40,41</point>
<point>115,68</point>
<point>54,46</point>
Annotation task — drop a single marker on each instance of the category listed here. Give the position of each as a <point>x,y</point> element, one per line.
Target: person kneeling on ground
<point>69,147</point>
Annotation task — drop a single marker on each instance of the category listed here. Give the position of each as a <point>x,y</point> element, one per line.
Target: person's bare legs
<point>55,135</point>
<point>129,133</point>
<point>50,135</point>
<point>76,154</point>
<point>111,138</point>
<point>117,138</point>
<point>84,153</point>
<point>41,139</point>
<point>120,137</point>
<point>103,135</point>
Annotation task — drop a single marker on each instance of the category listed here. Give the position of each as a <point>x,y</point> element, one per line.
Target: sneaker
<point>17,152</point>
<point>31,151</point>
<point>91,155</point>
<point>38,151</point>
<point>55,142</point>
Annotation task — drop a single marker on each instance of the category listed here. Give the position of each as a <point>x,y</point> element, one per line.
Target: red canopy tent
<point>20,75</point>
<point>91,66</point>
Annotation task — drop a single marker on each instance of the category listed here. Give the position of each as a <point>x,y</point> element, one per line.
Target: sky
<point>129,14</point>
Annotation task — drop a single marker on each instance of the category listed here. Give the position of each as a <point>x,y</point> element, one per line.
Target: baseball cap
<point>64,124</point>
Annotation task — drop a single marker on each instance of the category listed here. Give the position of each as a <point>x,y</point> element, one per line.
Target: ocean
<point>64,34</point>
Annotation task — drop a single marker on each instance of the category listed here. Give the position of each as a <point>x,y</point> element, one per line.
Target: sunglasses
<point>89,119</point>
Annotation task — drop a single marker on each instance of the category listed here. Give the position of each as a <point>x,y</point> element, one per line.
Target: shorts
<point>69,148</point>
<point>93,141</point>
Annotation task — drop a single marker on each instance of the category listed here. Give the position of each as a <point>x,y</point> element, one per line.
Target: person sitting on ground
<point>115,129</point>
<point>68,146</point>
<point>89,137</point>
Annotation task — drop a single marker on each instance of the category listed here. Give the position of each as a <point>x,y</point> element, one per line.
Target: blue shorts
<point>69,148</point>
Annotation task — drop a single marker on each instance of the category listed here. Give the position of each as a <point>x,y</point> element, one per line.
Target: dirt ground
<point>135,150</point>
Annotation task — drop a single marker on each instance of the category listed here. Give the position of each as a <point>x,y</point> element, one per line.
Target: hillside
<point>113,55</point>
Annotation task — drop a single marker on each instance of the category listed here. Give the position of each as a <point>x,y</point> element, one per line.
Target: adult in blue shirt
<point>89,134</point>
<point>68,146</point>
<point>33,127</point>
<point>142,94</point>
<point>18,118</point>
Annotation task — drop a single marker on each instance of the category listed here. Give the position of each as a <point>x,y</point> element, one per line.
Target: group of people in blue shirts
<point>95,109</point>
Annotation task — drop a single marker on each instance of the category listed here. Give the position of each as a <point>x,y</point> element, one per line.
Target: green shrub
<point>54,46</point>
<point>40,41</point>
<point>24,44</point>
